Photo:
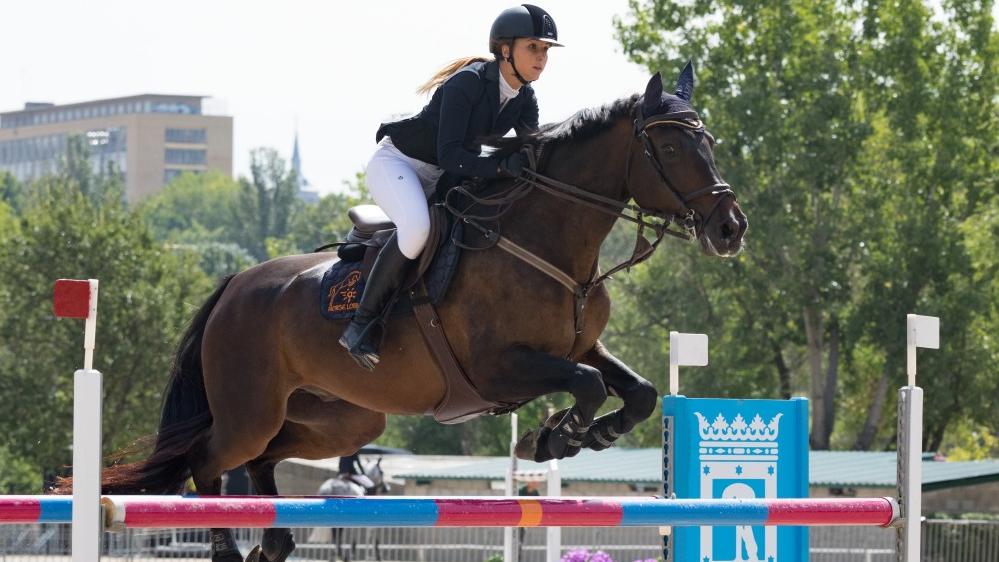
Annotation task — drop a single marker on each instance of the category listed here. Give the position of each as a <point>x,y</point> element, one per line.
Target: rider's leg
<point>396,188</point>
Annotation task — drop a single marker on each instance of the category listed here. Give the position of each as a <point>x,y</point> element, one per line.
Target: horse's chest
<point>491,311</point>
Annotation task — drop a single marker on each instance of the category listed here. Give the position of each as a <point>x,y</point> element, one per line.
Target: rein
<point>532,179</point>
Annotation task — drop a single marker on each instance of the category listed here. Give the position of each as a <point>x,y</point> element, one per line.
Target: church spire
<point>296,164</point>
<point>304,193</point>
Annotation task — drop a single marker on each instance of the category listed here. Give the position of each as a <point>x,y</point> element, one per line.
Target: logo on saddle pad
<point>345,296</point>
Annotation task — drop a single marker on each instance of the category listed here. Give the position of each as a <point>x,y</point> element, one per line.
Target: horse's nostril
<point>727,232</point>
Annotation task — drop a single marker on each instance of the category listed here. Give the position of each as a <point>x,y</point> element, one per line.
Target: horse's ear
<point>653,94</point>
<point>685,83</point>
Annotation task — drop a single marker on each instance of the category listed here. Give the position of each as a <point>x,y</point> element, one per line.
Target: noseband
<point>689,219</point>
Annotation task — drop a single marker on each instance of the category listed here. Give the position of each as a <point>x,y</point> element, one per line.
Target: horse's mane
<point>581,126</point>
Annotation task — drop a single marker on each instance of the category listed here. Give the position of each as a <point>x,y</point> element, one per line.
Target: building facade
<point>149,138</point>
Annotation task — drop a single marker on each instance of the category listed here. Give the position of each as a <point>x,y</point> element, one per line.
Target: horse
<point>259,377</point>
<point>370,482</point>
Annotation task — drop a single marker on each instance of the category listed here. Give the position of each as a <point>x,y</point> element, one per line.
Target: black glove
<point>511,165</point>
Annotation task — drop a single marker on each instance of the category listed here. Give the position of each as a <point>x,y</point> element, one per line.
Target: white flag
<point>688,349</point>
<point>923,331</point>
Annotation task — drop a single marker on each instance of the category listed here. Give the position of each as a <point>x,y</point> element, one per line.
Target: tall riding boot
<point>361,338</point>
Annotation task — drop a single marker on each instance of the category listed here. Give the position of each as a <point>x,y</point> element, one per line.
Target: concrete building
<point>150,138</point>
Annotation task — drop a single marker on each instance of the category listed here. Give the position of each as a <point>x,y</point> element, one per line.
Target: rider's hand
<point>511,165</point>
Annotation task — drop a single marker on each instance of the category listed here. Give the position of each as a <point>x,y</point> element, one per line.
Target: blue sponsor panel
<point>736,449</point>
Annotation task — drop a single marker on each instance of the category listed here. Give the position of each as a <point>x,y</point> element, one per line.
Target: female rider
<point>472,98</point>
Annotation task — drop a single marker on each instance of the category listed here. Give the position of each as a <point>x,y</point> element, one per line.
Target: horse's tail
<point>184,418</point>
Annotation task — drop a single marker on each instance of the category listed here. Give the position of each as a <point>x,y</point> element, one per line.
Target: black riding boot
<point>361,338</point>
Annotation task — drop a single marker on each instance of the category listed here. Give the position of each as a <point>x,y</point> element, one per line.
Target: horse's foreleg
<point>528,374</point>
<point>639,397</point>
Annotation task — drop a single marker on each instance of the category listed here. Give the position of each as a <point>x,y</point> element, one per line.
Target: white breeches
<point>400,186</point>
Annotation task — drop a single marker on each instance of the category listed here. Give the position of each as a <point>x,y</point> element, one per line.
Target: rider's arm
<point>528,122</point>
<point>461,91</point>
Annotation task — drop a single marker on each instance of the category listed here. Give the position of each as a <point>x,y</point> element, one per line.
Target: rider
<point>473,97</point>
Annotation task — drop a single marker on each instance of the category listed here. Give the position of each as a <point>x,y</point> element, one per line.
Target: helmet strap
<point>516,73</point>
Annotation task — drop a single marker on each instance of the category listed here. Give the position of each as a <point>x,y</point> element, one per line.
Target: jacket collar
<point>492,77</point>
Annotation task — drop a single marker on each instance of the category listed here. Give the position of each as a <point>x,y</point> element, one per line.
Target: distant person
<point>473,97</point>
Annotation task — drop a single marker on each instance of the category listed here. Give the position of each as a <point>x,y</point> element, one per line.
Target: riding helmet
<point>527,21</point>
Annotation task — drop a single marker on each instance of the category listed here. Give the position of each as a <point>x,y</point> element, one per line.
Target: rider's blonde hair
<point>454,66</point>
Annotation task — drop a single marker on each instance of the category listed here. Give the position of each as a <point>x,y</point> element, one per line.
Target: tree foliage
<point>860,138</point>
<point>75,225</point>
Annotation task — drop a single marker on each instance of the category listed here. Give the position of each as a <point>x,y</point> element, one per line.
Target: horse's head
<point>677,174</point>
<point>377,477</point>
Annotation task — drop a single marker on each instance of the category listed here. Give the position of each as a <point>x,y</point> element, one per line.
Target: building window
<point>170,174</point>
<point>188,136</point>
<point>179,156</point>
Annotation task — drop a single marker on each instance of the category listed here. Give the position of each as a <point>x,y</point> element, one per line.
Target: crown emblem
<point>738,430</point>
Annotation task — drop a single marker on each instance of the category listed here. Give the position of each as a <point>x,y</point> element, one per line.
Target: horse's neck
<point>566,233</point>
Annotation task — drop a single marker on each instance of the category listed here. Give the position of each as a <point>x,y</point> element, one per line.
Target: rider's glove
<point>511,165</point>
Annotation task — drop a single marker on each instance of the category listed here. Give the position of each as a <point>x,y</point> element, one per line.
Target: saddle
<point>425,286</point>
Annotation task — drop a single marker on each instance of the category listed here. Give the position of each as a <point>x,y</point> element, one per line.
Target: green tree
<point>82,229</point>
<point>858,136</point>
<point>327,220</point>
<point>267,203</point>
<point>194,208</point>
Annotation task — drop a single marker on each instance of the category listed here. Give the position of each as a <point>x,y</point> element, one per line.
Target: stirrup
<point>365,359</point>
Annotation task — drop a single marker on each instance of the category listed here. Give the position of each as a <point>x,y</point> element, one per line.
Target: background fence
<point>943,541</point>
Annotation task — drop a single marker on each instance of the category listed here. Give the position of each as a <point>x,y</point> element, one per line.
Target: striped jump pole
<point>413,511</point>
<point>20,510</point>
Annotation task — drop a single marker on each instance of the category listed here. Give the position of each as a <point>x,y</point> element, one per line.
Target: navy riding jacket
<point>462,111</point>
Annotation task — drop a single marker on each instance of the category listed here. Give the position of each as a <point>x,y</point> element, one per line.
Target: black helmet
<point>524,21</point>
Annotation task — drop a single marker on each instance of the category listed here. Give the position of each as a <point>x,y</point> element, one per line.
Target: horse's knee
<point>641,400</point>
<point>588,387</point>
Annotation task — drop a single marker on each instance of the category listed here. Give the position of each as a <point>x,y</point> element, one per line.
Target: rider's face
<point>530,56</point>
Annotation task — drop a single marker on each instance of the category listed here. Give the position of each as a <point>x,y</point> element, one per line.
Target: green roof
<point>859,469</point>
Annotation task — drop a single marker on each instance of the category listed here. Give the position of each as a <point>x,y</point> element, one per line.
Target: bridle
<point>688,219</point>
<point>691,121</point>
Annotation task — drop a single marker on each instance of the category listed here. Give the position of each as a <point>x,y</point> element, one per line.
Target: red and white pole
<point>78,299</point>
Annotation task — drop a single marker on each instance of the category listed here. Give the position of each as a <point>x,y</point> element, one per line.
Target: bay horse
<point>259,376</point>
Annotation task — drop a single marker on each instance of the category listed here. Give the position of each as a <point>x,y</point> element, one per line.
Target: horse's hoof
<point>566,438</point>
<point>533,446</point>
<point>253,556</point>
<point>287,546</point>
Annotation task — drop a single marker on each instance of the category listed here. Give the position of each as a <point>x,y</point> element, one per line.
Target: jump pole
<point>489,511</point>
<point>462,511</point>
<point>78,299</point>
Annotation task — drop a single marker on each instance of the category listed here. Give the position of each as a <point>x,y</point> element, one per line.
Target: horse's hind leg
<point>637,394</point>
<point>206,470</point>
<point>249,423</point>
<point>315,429</point>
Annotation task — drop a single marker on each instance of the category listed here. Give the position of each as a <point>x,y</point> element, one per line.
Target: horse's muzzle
<point>723,234</point>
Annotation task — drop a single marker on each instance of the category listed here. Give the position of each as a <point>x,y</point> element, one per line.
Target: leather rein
<point>688,220</point>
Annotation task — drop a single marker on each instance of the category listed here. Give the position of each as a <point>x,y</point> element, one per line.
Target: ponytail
<point>446,72</point>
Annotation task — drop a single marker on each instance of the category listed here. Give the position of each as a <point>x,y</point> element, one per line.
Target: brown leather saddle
<point>372,229</point>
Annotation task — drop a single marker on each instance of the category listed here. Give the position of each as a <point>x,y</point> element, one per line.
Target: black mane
<point>583,125</point>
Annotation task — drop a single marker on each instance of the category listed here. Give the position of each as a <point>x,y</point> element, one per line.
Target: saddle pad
<point>342,284</point>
